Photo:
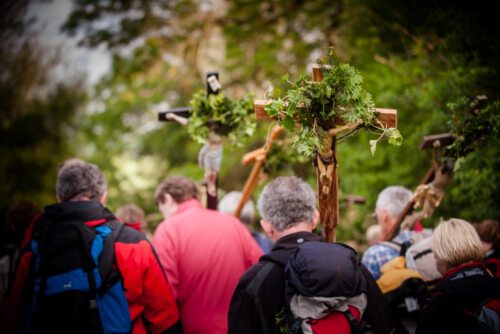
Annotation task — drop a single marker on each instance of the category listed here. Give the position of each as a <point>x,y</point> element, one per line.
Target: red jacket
<point>150,300</point>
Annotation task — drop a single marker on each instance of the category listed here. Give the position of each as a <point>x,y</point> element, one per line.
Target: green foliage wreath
<point>221,115</point>
<point>310,109</point>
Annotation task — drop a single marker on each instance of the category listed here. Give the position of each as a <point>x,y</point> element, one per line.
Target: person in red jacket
<point>204,253</point>
<point>81,193</point>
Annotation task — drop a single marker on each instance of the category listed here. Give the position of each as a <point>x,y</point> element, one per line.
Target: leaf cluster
<point>281,157</point>
<point>471,127</point>
<point>217,113</point>
<point>310,109</point>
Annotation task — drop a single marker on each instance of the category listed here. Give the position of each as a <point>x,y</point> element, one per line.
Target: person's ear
<point>315,220</point>
<point>103,198</point>
<point>267,228</point>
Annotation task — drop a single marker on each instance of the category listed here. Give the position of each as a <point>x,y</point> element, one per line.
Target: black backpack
<point>295,271</point>
<point>75,283</point>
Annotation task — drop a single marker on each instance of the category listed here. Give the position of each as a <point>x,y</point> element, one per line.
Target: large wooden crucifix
<point>181,116</point>
<point>326,161</point>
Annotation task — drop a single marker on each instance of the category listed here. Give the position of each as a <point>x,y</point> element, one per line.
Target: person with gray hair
<point>124,274</point>
<point>390,203</point>
<point>229,203</point>
<point>287,206</point>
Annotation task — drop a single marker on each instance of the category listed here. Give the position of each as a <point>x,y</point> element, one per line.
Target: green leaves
<point>373,146</point>
<point>273,108</point>
<point>309,109</point>
<point>220,114</point>
<point>395,137</point>
<point>288,123</point>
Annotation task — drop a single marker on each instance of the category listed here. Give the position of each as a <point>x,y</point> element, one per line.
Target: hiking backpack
<point>75,283</point>
<point>334,309</point>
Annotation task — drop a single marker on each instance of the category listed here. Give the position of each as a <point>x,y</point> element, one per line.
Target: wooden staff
<point>259,156</point>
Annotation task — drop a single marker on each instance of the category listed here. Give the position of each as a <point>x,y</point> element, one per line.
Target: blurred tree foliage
<point>415,56</point>
<point>36,114</point>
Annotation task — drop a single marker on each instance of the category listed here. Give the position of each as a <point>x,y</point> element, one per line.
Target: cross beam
<point>326,161</point>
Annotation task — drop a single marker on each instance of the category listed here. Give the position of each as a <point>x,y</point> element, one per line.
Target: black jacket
<point>459,294</point>
<point>244,314</point>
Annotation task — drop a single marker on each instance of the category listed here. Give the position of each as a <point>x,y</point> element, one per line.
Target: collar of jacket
<point>465,270</point>
<point>85,211</point>
<point>187,205</point>
<point>292,240</point>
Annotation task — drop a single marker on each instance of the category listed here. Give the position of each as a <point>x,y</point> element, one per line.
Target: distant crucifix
<point>326,161</point>
<point>430,192</point>
<point>210,155</point>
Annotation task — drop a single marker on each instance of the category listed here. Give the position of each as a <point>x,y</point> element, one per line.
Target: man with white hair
<point>288,209</point>
<point>390,203</point>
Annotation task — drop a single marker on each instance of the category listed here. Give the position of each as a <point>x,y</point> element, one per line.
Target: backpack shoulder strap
<point>276,258</point>
<point>107,265</point>
<point>401,248</point>
<point>279,257</point>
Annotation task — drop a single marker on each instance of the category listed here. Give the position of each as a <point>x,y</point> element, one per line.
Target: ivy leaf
<point>328,91</point>
<point>395,137</point>
<point>288,123</point>
<point>373,146</point>
<point>276,93</point>
<point>284,78</point>
<point>458,163</point>
<point>272,109</point>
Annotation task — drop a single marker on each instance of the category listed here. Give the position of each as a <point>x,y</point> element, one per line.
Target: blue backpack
<point>76,286</point>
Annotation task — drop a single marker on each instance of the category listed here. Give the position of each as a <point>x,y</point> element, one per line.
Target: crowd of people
<point>77,267</point>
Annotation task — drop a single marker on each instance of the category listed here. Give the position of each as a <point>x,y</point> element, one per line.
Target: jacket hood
<point>325,270</point>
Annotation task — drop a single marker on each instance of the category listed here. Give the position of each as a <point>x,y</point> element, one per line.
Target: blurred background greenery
<point>415,56</point>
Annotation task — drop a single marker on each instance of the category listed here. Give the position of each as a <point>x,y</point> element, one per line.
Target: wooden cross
<point>259,157</point>
<point>437,177</point>
<point>181,115</point>
<point>326,161</point>
<point>436,142</point>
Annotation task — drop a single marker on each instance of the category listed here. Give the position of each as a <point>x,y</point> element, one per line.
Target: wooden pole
<point>259,156</point>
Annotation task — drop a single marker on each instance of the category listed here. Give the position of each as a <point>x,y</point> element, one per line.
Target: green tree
<point>36,124</point>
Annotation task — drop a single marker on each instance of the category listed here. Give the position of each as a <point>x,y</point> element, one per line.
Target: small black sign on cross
<point>181,115</point>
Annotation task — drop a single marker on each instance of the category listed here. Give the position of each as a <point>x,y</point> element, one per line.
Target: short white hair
<point>393,200</point>
<point>229,203</point>
<point>286,202</point>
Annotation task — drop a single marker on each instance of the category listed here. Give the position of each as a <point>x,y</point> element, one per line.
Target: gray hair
<point>393,199</point>
<point>229,203</point>
<point>287,201</point>
<point>79,180</point>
